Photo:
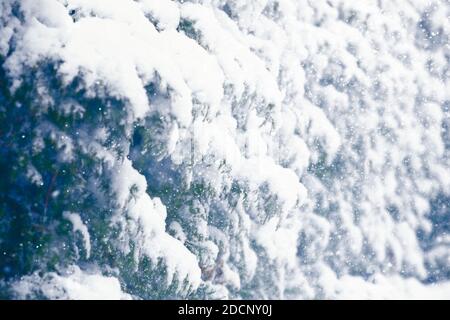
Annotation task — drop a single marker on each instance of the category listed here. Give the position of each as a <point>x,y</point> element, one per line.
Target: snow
<point>79,226</point>
<point>241,67</point>
<point>389,288</point>
<point>74,285</point>
<point>147,224</point>
<point>165,12</point>
<point>290,148</point>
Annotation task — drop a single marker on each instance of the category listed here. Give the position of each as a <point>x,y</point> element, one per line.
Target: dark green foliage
<point>34,234</point>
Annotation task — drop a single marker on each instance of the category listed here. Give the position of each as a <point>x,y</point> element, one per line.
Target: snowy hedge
<point>224,149</point>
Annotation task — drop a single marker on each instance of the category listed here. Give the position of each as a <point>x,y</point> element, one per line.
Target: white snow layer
<point>78,225</point>
<point>328,112</point>
<point>75,285</point>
